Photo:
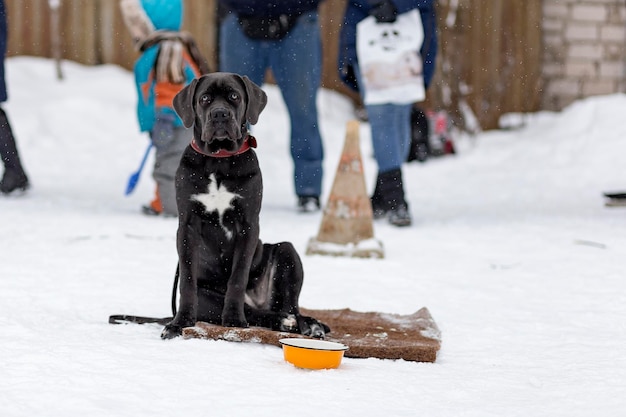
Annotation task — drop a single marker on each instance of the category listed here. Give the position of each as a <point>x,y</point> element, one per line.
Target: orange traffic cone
<point>347,225</point>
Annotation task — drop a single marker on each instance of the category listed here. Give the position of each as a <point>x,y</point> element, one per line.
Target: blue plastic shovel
<point>134,177</point>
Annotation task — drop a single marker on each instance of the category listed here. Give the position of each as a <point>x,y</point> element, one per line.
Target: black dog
<point>227,276</point>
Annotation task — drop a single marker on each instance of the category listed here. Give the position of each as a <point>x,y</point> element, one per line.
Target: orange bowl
<point>313,353</point>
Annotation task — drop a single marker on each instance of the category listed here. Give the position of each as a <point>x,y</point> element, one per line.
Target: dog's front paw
<point>233,317</point>
<point>171,331</point>
<point>234,321</point>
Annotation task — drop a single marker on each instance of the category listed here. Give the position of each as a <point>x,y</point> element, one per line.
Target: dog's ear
<point>183,103</point>
<point>257,99</point>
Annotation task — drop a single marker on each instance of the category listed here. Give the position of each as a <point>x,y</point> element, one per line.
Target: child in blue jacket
<point>169,61</point>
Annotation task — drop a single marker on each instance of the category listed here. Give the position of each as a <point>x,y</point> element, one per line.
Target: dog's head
<point>219,106</point>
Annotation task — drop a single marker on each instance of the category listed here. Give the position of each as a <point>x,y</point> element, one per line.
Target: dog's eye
<point>205,99</point>
<point>233,96</point>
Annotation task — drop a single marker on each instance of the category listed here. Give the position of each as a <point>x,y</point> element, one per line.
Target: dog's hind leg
<point>287,276</point>
<point>210,305</point>
<point>275,320</point>
<point>286,322</point>
<point>310,326</point>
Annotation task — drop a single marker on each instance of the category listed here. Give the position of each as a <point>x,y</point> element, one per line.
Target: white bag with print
<point>389,60</point>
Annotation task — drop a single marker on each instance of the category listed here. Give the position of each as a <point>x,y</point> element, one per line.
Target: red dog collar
<point>250,142</point>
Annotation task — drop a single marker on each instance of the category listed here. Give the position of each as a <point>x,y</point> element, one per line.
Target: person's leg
<point>14,177</point>
<point>296,64</point>
<point>404,123</point>
<point>390,126</point>
<point>390,150</point>
<point>387,125</point>
<point>170,143</point>
<point>239,54</point>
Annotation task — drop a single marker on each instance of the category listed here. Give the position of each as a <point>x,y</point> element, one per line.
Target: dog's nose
<point>220,115</point>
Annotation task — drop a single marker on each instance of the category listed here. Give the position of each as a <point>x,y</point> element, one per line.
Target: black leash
<point>175,291</point>
<point>126,318</point>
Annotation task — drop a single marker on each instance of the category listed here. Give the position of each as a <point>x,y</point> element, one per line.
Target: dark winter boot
<point>420,133</point>
<point>392,192</point>
<point>379,206</point>
<point>14,177</point>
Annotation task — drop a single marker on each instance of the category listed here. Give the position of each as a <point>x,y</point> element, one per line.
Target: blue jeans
<point>391,131</point>
<point>296,62</point>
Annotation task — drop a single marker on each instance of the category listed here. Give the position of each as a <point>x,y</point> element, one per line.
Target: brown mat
<point>413,337</point>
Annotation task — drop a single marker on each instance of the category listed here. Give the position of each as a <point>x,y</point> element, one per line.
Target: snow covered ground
<point>512,251</point>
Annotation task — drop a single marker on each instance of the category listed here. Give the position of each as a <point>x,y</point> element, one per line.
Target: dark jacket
<point>3,50</point>
<point>269,8</point>
<point>358,10</point>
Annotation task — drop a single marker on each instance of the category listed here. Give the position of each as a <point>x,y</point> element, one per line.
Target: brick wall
<point>584,50</point>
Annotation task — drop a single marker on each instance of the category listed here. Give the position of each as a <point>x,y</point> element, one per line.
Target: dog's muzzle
<point>221,131</point>
<point>221,122</point>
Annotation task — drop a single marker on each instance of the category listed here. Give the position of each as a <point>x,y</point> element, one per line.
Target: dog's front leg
<point>233,314</point>
<point>188,283</point>
<point>187,311</point>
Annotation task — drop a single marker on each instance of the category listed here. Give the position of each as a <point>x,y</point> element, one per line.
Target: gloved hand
<point>384,11</point>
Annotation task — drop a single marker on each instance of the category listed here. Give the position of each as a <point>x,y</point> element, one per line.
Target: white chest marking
<point>217,198</point>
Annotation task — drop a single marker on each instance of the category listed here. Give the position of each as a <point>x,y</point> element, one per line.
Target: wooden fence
<point>490,58</point>
<point>93,32</point>
<point>489,49</point>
